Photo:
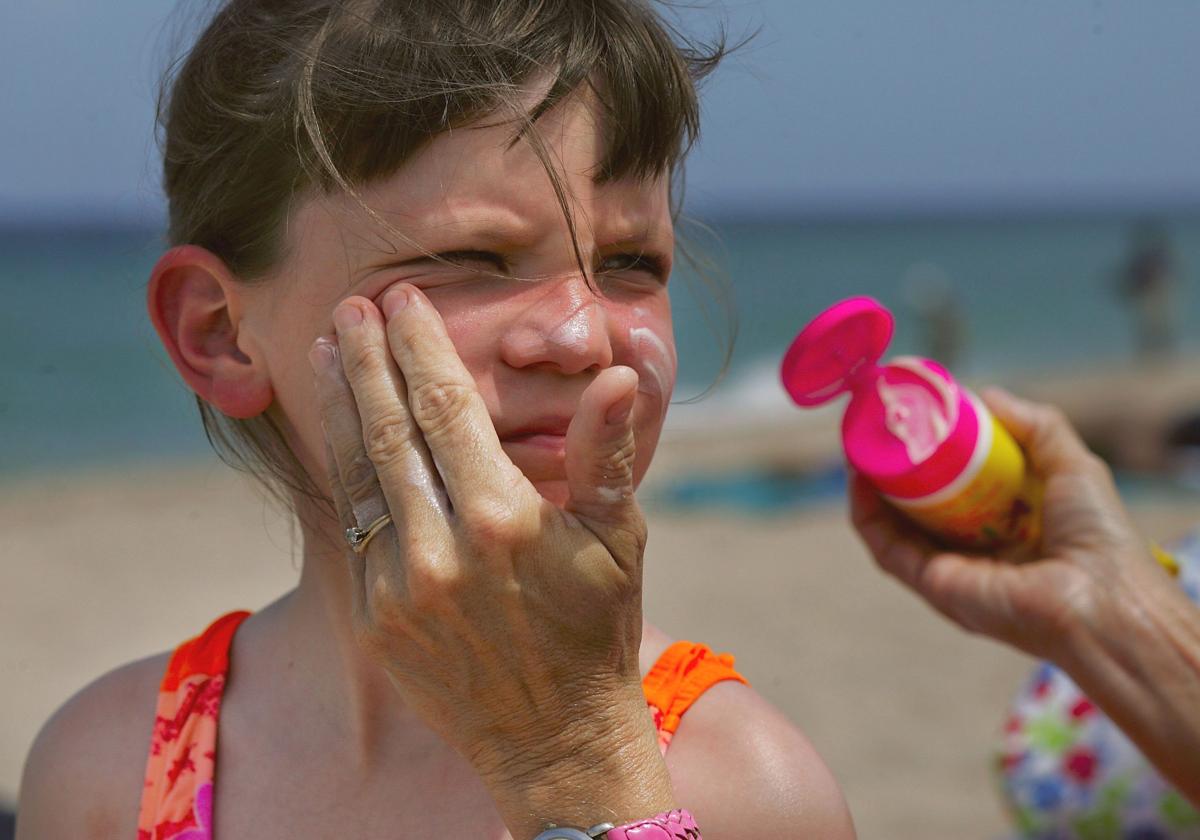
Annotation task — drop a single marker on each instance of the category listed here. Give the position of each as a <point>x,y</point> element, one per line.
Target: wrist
<point>600,771</point>
<point>1114,623</point>
<point>1139,643</point>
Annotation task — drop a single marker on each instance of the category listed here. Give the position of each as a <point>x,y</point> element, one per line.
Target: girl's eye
<point>493,262</point>
<point>649,263</point>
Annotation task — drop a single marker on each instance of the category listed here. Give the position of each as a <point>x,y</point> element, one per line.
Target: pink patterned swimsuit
<point>177,799</point>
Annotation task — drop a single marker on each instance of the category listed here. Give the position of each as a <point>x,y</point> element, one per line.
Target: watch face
<point>564,834</point>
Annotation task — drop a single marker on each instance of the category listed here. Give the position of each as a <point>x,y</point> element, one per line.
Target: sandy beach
<point>903,706</point>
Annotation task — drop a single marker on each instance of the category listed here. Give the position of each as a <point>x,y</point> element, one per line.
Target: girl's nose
<point>564,327</point>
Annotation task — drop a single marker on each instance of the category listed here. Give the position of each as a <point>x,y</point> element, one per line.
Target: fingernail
<point>619,412</point>
<point>394,301</point>
<point>323,355</point>
<point>347,316</point>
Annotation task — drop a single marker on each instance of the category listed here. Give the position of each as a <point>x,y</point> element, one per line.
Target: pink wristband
<point>673,825</point>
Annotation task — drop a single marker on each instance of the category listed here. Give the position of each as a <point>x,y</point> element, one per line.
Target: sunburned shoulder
<point>746,771</point>
<point>83,775</point>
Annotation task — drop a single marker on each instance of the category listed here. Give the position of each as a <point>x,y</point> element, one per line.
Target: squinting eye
<point>648,263</point>
<point>467,259</point>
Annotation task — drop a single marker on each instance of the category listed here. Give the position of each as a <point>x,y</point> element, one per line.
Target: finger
<point>897,546</point>
<point>972,591</point>
<point>356,477</point>
<point>344,459</point>
<point>447,407</point>
<point>1041,430</point>
<point>342,504</point>
<point>600,457</point>
<point>389,443</point>
<point>959,587</point>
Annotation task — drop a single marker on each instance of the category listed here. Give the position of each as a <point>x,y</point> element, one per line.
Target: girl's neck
<point>316,656</point>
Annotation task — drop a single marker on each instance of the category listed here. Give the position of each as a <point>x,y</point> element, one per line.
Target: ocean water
<point>83,379</point>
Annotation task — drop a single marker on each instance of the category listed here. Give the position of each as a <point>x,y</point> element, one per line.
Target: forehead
<point>476,177</point>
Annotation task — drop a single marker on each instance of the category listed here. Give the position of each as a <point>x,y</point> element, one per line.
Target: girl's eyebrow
<point>493,227</point>
<point>487,224</point>
<point>439,240</point>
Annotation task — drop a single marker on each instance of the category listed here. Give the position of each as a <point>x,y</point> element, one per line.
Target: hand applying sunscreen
<point>930,446</point>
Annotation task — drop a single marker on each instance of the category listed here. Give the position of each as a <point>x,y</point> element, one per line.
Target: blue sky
<point>839,107</point>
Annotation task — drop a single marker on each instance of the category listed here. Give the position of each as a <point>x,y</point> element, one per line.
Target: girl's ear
<point>197,307</point>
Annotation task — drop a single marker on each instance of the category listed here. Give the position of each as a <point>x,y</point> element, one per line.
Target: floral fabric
<point>177,798</point>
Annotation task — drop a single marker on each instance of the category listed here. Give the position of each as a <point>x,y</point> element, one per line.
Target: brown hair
<point>280,98</point>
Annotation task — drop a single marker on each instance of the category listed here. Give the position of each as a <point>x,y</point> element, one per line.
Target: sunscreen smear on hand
<point>930,446</point>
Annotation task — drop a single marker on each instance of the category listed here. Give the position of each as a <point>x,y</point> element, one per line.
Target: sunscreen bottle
<point>930,446</point>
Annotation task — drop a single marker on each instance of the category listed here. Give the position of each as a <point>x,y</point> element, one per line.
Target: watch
<point>671,825</point>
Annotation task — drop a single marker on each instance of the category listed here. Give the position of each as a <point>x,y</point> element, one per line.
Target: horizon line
<point>736,211</point>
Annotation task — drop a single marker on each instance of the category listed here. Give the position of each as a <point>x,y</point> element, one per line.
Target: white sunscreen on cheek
<point>656,359</point>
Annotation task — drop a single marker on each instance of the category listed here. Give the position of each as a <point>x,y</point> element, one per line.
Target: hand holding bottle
<point>1090,552</point>
<point>1093,599</point>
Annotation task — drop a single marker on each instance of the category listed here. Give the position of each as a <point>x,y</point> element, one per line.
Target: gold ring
<point>358,537</point>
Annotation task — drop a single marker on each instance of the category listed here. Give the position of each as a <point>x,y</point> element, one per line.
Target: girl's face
<point>528,325</point>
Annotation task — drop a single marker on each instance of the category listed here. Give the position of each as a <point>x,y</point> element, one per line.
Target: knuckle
<point>359,363</point>
<point>1049,429</point>
<point>490,523</point>
<point>359,477</point>
<point>387,610</point>
<point>617,464</point>
<point>387,438</point>
<point>433,584</point>
<point>1052,418</point>
<point>439,406</point>
<point>403,337</point>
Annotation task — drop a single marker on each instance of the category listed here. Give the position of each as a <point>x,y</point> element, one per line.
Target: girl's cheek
<point>654,359</point>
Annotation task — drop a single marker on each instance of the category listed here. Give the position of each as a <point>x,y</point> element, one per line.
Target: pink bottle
<point>931,447</point>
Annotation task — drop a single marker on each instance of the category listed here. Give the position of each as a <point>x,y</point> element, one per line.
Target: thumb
<point>601,450</point>
<point>1043,431</point>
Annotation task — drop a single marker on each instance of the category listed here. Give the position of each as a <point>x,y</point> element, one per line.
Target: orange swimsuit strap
<point>684,672</point>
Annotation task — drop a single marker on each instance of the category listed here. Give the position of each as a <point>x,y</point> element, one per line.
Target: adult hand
<point>1093,600</point>
<point>1090,553</point>
<point>510,625</point>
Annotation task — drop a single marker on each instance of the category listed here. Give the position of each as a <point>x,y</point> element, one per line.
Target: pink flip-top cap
<point>839,345</point>
<point>839,352</point>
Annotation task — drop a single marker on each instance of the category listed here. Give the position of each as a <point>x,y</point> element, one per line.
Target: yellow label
<point>1165,559</point>
<point>1000,503</point>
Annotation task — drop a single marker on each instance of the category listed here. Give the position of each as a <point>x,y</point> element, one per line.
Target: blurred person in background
<point>930,293</point>
<point>1147,286</point>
